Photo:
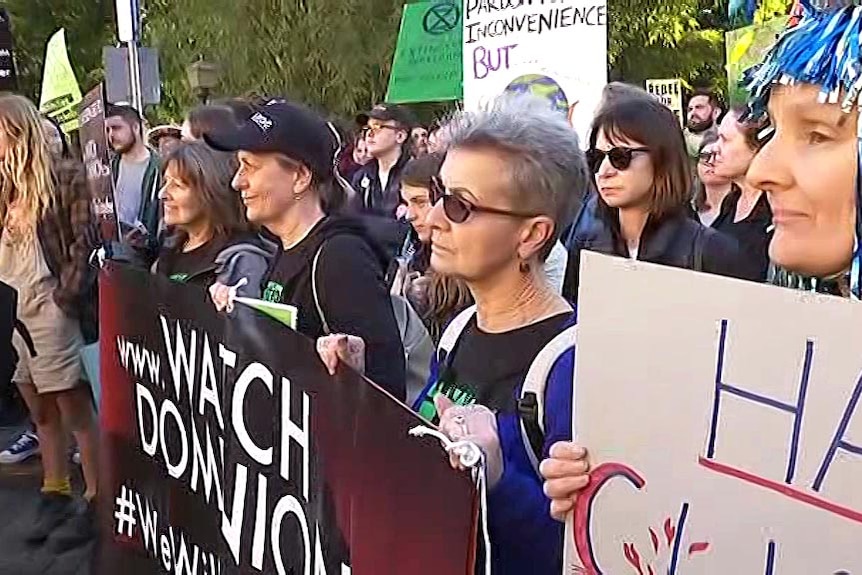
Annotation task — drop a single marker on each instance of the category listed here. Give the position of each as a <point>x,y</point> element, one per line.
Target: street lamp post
<point>203,78</point>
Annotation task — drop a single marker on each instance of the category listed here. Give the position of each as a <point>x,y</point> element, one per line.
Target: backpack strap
<point>317,305</point>
<point>25,335</point>
<point>453,332</point>
<point>531,406</point>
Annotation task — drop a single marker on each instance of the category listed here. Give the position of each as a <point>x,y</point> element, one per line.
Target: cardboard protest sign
<point>725,436</point>
<point>554,50</point>
<point>427,63</point>
<point>669,93</point>
<point>227,448</point>
<point>60,92</point>
<point>94,151</point>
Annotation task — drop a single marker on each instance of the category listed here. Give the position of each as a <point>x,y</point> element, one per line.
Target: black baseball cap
<point>282,127</point>
<point>388,113</point>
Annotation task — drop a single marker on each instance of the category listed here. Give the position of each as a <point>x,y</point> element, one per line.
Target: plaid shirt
<point>68,236</point>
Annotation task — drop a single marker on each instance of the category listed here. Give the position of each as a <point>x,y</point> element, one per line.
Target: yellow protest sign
<point>60,91</point>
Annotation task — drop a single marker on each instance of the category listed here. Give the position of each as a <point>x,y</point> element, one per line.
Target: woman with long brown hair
<point>209,238</point>
<point>437,298</point>
<point>47,234</point>
<point>745,214</point>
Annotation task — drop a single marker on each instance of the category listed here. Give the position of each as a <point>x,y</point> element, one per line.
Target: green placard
<point>746,47</point>
<point>286,314</point>
<point>427,66</point>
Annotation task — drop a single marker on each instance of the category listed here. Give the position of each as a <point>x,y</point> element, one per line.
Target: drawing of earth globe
<point>542,87</point>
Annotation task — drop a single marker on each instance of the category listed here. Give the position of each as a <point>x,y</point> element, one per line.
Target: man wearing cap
<point>387,131</point>
<point>327,266</point>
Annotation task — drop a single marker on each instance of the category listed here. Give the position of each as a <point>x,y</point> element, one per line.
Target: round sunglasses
<point>620,157</point>
<point>458,210</point>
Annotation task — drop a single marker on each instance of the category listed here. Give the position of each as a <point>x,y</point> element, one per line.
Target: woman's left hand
<point>476,424</point>
<point>341,348</point>
<point>223,296</point>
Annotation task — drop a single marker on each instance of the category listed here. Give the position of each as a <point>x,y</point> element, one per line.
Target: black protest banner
<point>94,150</point>
<point>227,448</point>
<point>8,76</point>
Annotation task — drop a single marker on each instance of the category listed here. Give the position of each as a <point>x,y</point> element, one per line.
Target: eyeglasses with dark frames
<point>458,210</point>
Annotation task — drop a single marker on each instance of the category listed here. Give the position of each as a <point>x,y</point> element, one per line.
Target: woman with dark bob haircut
<point>209,239</point>
<point>643,177</point>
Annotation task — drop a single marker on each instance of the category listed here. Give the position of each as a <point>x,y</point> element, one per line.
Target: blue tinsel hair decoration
<point>824,48</point>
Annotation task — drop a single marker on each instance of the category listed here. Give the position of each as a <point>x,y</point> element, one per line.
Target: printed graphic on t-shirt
<point>179,278</point>
<point>273,292</point>
<point>458,393</point>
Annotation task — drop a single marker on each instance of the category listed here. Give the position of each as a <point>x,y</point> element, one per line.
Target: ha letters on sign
<point>729,440</point>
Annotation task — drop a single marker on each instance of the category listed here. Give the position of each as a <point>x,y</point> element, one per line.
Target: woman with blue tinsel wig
<point>810,86</point>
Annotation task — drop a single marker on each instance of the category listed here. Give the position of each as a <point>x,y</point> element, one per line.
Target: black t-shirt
<point>487,368</point>
<point>751,233</point>
<point>196,266</point>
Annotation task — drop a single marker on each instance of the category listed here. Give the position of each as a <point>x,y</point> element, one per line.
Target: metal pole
<point>135,76</point>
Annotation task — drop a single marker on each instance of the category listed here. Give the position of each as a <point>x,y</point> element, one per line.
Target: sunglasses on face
<point>706,158</point>
<point>620,157</point>
<point>458,210</point>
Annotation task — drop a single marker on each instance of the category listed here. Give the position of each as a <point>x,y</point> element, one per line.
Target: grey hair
<point>548,169</point>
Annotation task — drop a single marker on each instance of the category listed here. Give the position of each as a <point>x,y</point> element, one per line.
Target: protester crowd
<point>440,261</point>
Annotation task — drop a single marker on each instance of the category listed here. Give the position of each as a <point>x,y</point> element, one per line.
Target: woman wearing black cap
<point>327,266</point>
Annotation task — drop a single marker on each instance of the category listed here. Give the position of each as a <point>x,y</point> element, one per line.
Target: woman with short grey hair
<point>513,177</point>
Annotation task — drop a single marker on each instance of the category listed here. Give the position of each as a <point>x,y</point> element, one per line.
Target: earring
<point>524,267</point>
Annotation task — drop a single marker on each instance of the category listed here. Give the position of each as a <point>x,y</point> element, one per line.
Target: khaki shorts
<point>57,341</point>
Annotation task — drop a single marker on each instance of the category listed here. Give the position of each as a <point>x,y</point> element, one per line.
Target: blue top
<point>525,539</point>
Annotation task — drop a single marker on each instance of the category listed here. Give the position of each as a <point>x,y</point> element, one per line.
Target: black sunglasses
<point>457,209</point>
<point>706,157</point>
<point>621,158</point>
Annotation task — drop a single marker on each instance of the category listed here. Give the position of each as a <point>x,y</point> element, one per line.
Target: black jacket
<point>225,259</point>
<point>351,291</point>
<point>371,198</point>
<point>677,240</point>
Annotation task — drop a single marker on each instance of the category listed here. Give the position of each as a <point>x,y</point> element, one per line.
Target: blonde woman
<point>46,237</point>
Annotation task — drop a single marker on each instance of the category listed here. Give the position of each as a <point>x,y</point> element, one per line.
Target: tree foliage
<point>332,53</point>
<point>336,54</point>
<point>89,27</point>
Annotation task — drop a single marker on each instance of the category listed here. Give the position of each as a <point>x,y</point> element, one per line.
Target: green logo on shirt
<point>459,394</point>
<point>179,278</point>
<point>273,292</point>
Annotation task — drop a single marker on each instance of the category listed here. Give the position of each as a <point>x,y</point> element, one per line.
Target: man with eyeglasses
<point>387,132</point>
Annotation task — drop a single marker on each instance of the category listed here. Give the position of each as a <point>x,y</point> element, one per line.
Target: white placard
<point>723,422</point>
<point>669,93</point>
<point>556,49</point>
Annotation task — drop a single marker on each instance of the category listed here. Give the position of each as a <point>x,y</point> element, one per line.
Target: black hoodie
<point>351,290</point>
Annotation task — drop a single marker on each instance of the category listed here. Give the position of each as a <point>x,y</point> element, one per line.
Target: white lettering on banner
<point>178,555</point>
<point>291,431</point>
<point>179,425</point>
<point>288,505</point>
<point>178,469</point>
<point>527,46</point>
<point>751,393</point>
<point>263,455</point>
